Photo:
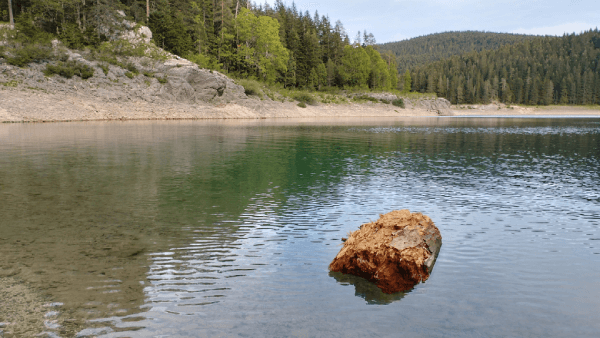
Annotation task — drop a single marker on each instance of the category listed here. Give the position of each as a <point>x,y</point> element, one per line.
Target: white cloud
<point>573,27</point>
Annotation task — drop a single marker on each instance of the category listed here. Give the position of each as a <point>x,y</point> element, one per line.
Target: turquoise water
<point>185,229</point>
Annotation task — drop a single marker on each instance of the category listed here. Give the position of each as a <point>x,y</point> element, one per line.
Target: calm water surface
<point>208,229</point>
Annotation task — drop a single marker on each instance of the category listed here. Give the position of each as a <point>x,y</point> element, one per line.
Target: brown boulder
<point>396,252</point>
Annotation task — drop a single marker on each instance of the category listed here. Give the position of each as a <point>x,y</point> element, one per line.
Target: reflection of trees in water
<point>367,290</point>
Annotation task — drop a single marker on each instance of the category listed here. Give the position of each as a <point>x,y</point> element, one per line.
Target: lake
<point>227,228</point>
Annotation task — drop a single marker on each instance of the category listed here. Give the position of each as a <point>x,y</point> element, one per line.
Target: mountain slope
<point>424,49</point>
<point>546,70</point>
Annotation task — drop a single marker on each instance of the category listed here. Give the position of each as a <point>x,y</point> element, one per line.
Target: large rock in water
<point>396,252</point>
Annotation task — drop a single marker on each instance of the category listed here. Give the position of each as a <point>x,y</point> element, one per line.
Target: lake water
<point>226,228</point>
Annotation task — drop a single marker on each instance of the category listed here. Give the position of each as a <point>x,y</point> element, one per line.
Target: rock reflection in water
<point>367,290</point>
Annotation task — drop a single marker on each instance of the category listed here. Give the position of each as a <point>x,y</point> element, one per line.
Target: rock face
<point>190,84</point>
<point>396,252</point>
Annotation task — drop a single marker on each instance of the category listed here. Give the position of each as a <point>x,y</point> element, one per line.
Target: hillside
<point>424,49</point>
<point>542,71</point>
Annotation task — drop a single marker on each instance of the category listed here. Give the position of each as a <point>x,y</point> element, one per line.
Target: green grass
<point>130,75</point>
<point>302,105</point>
<point>12,83</point>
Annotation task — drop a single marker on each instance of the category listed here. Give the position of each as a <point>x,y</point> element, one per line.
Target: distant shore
<point>506,110</point>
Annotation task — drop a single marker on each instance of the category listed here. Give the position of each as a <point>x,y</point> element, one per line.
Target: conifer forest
<point>285,46</point>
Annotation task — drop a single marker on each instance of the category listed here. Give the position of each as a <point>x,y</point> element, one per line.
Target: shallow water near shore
<point>226,228</point>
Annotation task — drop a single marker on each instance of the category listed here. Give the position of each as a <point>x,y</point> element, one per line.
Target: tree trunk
<point>10,14</point>
<point>147,8</point>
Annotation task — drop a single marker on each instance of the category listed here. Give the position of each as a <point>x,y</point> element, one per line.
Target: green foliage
<point>169,33</point>
<point>28,53</point>
<point>69,69</point>
<point>541,71</point>
<point>104,68</point>
<point>132,68</point>
<point>305,98</point>
<point>12,83</point>
<point>259,45</point>
<point>148,74</point>
<point>73,36</point>
<point>398,103</point>
<point>355,67</point>
<point>422,50</point>
<point>302,105</point>
<point>407,82</point>
<point>251,87</point>
<point>162,80</point>
<point>364,97</point>
<point>130,75</point>
<point>204,61</point>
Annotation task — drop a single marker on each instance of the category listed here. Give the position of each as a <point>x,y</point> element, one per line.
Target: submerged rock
<point>396,252</point>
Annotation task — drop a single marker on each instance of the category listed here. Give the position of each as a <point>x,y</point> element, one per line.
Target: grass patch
<point>69,69</point>
<point>399,103</point>
<point>12,83</point>
<point>130,75</point>
<point>302,105</point>
<point>148,74</point>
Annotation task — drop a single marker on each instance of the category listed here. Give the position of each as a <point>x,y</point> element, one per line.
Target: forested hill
<point>424,49</point>
<point>276,44</point>
<point>547,70</point>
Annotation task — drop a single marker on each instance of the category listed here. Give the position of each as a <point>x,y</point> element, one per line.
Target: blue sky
<point>393,20</point>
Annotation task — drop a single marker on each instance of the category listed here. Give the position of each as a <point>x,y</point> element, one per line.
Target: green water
<point>226,228</point>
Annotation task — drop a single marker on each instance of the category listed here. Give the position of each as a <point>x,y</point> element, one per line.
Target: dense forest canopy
<point>270,43</point>
<point>434,47</point>
<point>546,70</point>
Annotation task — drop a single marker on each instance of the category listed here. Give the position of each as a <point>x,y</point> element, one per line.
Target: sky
<point>395,20</point>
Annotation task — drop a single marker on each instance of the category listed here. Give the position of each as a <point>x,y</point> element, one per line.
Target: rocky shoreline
<point>178,89</point>
<point>165,90</point>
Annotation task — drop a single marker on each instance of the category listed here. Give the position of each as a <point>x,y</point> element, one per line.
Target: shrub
<point>251,87</point>
<point>132,68</point>
<point>130,75</point>
<point>365,98</point>
<point>398,103</point>
<point>384,101</point>
<point>104,68</point>
<point>302,105</point>
<point>29,53</point>
<point>162,80</point>
<point>148,74</point>
<point>69,69</point>
<point>305,98</point>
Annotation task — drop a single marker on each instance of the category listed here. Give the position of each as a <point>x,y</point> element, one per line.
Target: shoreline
<point>20,105</point>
